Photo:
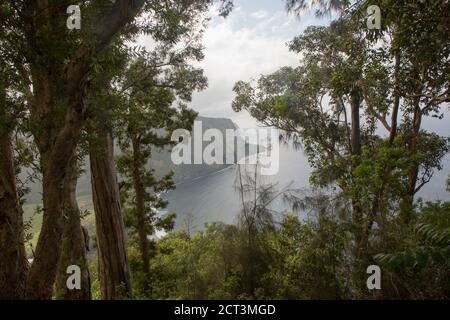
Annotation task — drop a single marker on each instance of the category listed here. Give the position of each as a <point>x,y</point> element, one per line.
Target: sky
<point>250,42</point>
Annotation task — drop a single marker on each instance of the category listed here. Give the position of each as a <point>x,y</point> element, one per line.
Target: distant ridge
<point>160,162</point>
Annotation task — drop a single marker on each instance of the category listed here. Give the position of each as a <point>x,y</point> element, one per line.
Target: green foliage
<point>422,265</point>
<point>310,260</point>
<point>349,82</point>
<point>366,77</point>
<point>151,94</point>
<point>298,260</point>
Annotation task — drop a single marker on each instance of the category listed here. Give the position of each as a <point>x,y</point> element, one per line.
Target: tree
<point>294,100</point>
<point>55,65</point>
<point>111,105</point>
<point>346,68</point>
<point>113,265</point>
<point>13,263</point>
<point>74,243</point>
<point>420,261</point>
<point>150,87</point>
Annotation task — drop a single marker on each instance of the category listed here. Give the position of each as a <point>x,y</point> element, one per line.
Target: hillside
<point>160,161</point>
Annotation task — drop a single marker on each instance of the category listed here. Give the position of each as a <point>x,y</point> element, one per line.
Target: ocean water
<point>214,197</point>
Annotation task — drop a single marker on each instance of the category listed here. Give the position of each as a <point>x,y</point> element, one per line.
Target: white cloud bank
<point>260,14</point>
<point>241,48</point>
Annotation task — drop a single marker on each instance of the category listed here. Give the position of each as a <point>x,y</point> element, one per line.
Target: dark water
<point>214,198</point>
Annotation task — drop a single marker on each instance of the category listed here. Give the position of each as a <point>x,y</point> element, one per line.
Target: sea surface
<point>214,197</point>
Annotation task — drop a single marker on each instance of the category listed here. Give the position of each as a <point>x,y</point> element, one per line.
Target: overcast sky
<point>251,41</point>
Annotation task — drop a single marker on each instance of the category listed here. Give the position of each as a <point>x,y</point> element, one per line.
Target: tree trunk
<point>56,139</point>
<point>412,178</point>
<point>407,205</point>
<point>114,271</point>
<point>140,211</point>
<point>357,210</point>
<point>73,246</point>
<point>355,101</point>
<point>55,159</point>
<point>55,85</point>
<point>396,105</point>
<point>355,139</point>
<point>13,263</point>
<point>43,269</point>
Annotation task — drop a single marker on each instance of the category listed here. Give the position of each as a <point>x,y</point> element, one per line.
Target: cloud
<point>260,14</point>
<point>239,49</point>
<point>250,42</point>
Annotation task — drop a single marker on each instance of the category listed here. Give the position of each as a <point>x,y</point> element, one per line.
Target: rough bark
<point>58,87</point>
<point>406,207</point>
<point>355,140</point>
<point>355,101</point>
<point>357,210</point>
<point>396,105</point>
<point>48,250</point>
<point>73,246</point>
<point>412,177</point>
<point>13,263</point>
<point>113,263</point>
<point>140,211</point>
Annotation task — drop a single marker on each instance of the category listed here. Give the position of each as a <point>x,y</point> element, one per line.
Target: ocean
<point>214,197</point>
